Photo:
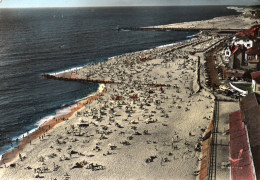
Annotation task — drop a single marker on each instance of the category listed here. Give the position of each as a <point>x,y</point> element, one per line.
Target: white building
<point>242,41</point>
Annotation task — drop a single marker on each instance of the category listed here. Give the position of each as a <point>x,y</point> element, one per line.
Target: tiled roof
<point>253,124</point>
<point>253,51</point>
<point>250,33</point>
<point>241,162</point>
<point>251,116</point>
<point>249,102</point>
<point>256,76</point>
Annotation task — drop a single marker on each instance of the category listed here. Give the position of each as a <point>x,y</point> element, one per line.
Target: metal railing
<point>213,155</point>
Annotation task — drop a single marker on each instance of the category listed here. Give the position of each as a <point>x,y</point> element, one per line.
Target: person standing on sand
<point>20,156</point>
<point>172,142</point>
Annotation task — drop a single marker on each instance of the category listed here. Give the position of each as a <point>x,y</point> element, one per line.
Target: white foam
<point>79,67</point>
<point>14,138</point>
<point>177,43</point>
<point>67,70</point>
<point>67,109</point>
<point>166,45</point>
<point>25,134</point>
<point>44,120</point>
<point>158,47</point>
<point>9,149</point>
<point>190,36</point>
<point>238,9</point>
<point>59,112</point>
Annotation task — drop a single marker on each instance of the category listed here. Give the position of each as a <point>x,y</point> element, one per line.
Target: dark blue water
<point>36,41</point>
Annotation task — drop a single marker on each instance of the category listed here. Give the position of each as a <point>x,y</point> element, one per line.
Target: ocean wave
<point>24,134</point>
<point>190,38</point>
<point>237,9</point>
<point>9,149</point>
<point>68,70</point>
<point>63,111</point>
<point>79,67</point>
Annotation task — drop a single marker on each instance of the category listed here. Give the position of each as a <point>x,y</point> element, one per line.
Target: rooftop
<point>251,116</point>
<point>253,51</point>
<point>250,33</point>
<point>241,161</point>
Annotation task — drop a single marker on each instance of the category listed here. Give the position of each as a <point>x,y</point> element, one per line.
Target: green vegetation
<point>245,87</point>
<point>251,89</point>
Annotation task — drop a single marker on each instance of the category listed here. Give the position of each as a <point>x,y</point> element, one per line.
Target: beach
<point>220,23</point>
<point>146,123</point>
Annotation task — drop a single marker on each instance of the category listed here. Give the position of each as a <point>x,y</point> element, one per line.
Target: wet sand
<point>12,155</point>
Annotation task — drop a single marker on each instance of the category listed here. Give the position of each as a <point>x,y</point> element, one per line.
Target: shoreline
<point>75,69</point>
<point>59,112</point>
<point>161,49</point>
<point>12,155</point>
<point>158,127</point>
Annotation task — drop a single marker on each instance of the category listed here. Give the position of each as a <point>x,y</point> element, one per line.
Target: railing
<point>213,156</point>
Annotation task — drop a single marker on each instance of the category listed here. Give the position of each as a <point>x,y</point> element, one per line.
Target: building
<point>250,108</point>
<point>256,81</point>
<point>245,139</point>
<point>242,41</point>
<point>252,53</point>
<point>244,50</point>
<point>249,35</point>
<point>242,166</point>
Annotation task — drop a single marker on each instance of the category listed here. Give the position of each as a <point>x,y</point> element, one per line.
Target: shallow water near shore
<point>40,41</point>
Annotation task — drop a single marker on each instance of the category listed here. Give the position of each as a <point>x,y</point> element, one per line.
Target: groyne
<point>49,76</point>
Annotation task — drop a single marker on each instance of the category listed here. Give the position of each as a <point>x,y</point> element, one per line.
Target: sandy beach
<point>148,124</point>
<point>225,22</point>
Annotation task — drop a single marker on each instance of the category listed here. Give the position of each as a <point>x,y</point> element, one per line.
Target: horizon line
<point>47,7</point>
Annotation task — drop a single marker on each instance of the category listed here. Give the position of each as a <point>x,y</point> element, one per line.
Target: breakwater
<point>48,76</point>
